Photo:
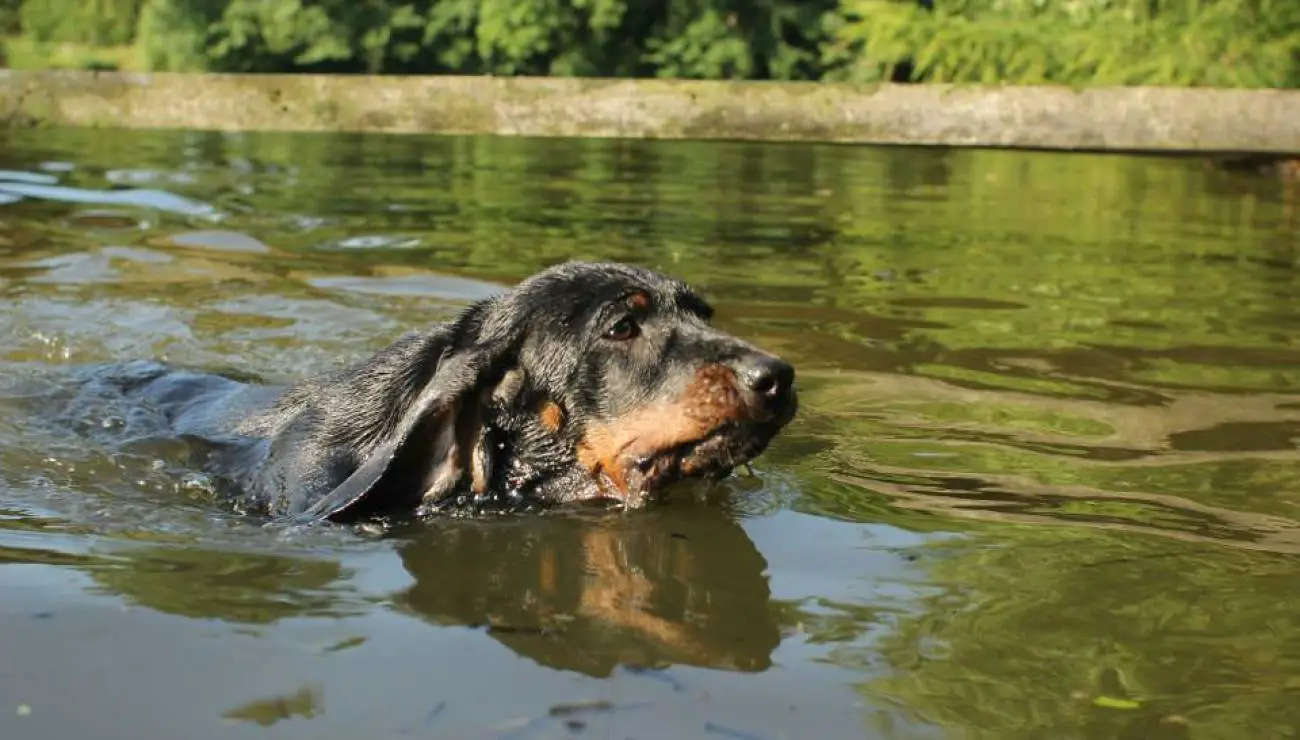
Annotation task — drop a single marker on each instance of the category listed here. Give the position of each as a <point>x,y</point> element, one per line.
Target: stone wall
<point>1097,119</point>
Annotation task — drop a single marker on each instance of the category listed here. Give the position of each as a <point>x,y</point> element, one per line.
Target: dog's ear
<point>419,436</point>
<point>475,436</point>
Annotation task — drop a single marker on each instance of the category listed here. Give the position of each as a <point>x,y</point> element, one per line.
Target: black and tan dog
<point>585,381</point>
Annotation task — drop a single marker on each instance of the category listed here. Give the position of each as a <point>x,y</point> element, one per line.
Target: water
<point>1045,480</point>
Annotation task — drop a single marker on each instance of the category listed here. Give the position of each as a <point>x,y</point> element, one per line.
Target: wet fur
<point>522,400</point>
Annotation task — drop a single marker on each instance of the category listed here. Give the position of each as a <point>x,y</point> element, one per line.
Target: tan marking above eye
<point>639,301</point>
<point>552,416</point>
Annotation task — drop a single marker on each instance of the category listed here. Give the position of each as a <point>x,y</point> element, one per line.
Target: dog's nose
<point>770,378</point>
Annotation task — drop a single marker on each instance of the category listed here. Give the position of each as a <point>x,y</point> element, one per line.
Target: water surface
<point>1045,481</point>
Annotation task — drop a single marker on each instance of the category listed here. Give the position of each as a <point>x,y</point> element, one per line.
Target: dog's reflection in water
<point>680,584</point>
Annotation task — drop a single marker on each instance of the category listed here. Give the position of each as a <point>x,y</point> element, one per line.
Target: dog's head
<point>585,381</point>
<point>622,365</point>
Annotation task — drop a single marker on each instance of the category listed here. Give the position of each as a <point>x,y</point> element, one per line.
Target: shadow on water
<point>1045,480</point>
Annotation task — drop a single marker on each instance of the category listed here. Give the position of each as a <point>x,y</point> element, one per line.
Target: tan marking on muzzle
<point>711,400</point>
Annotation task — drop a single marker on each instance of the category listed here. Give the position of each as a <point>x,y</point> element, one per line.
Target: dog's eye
<point>625,329</point>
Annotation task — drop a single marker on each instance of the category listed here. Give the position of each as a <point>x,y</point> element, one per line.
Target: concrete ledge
<point>1126,119</point>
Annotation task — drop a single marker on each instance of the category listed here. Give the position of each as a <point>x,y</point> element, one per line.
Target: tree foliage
<point>1226,43</point>
<point>10,11</point>
<point>680,38</point>
<point>95,22</point>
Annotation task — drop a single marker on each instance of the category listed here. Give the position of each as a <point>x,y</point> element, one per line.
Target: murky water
<point>1045,481</point>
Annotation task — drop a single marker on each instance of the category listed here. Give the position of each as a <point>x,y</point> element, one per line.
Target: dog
<point>586,381</point>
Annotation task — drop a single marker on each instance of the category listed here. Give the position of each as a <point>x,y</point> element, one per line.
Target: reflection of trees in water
<point>1094,634</point>
<point>1098,238</point>
<point>678,584</point>
<point>232,586</point>
<point>305,703</point>
<point>1089,628</point>
<point>1203,466</point>
<point>1082,240</point>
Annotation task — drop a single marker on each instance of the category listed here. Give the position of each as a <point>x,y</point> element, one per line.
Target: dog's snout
<point>770,378</point>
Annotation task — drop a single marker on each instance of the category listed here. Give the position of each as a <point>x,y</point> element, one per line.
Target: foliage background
<point>1227,43</point>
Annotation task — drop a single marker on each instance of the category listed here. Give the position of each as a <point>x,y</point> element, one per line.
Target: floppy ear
<point>440,443</point>
<point>403,433</point>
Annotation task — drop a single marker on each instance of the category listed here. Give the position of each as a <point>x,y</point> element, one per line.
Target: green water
<point>1045,482</point>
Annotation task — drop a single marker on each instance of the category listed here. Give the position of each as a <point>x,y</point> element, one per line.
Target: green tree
<point>173,34</point>
<point>10,15</point>
<point>96,22</point>
<point>1225,43</point>
<point>681,38</point>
